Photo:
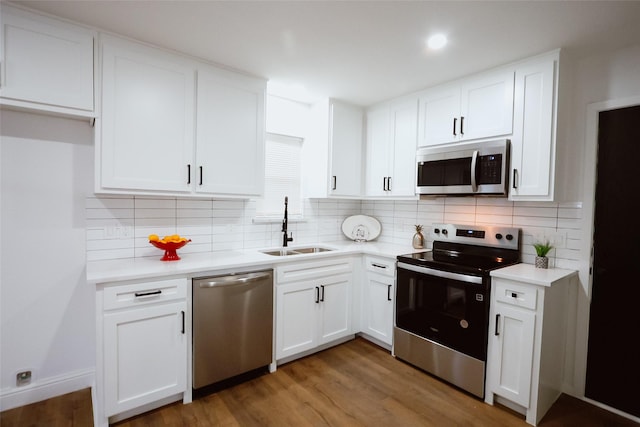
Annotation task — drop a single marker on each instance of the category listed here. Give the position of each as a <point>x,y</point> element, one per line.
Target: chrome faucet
<point>285,222</point>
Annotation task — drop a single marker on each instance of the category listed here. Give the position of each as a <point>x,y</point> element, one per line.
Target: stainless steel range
<point>442,301</point>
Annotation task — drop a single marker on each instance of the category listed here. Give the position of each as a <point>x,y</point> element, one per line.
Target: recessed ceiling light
<point>437,41</point>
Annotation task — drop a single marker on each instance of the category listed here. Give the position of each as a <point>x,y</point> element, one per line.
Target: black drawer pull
<point>149,293</point>
<point>379,265</point>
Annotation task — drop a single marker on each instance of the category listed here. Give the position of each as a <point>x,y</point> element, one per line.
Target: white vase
<point>542,262</point>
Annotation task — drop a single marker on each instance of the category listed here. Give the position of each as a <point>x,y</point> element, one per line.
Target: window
<point>282,177</point>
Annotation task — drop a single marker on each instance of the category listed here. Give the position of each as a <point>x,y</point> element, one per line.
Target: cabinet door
<point>377,166</point>
<point>346,150</point>
<point>378,307</point>
<point>439,111</point>
<point>533,135</point>
<point>145,354</point>
<point>335,305</point>
<point>230,134</point>
<point>404,129</point>
<point>45,61</point>
<point>487,106</point>
<point>296,317</point>
<point>513,353</point>
<point>147,119</point>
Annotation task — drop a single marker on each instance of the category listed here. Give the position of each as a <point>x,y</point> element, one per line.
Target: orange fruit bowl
<point>169,248</point>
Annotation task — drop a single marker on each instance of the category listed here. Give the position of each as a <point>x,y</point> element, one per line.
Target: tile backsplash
<point>119,226</point>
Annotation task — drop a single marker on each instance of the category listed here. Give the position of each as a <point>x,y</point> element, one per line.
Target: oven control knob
<point>509,237</point>
<point>499,236</point>
<point>445,232</point>
<point>436,230</point>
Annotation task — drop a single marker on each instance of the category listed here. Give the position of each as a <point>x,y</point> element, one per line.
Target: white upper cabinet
<point>332,157</point>
<point>391,149</point>
<point>473,108</point>
<point>47,64</point>
<point>147,122</point>
<point>230,133</point>
<point>533,144</point>
<point>173,126</point>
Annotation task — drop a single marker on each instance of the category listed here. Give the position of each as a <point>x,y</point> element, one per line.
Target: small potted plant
<point>418,238</point>
<point>542,249</point>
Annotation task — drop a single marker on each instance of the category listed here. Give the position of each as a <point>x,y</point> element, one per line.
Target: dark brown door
<point>613,358</point>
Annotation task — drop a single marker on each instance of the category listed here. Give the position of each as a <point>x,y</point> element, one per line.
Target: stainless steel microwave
<point>478,168</point>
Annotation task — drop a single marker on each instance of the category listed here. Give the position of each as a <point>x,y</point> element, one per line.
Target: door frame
<point>588,216</point>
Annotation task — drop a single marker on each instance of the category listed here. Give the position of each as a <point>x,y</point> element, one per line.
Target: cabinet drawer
<point>515,293</point>
<point>137,294</point>
<point>384,266</point>
<point>313,270</point>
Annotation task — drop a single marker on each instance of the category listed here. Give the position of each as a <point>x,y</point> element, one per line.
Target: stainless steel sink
<point>296,251</point>
<point>311,250</point>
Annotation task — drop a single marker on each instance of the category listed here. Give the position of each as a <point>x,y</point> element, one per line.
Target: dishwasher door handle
<point>234,280</point>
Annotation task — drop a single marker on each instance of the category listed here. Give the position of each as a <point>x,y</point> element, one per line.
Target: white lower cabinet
<point>313,305</point>
<point>378,294</point>
<point>142,331</point>
<point>527,338</point>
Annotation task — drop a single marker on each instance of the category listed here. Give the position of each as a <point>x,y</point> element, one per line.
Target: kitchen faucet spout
<point>285,222</point>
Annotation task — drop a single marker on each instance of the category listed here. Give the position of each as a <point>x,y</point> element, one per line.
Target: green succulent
<point>542,249</point>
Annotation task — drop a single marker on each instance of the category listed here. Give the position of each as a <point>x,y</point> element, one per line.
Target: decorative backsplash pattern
<point>118,226</point>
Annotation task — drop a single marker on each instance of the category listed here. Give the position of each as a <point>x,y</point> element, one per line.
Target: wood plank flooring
<point>354,384</point>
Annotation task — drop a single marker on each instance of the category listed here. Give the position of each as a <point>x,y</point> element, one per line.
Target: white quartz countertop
<point>195,264</point>
<point>530,274</point>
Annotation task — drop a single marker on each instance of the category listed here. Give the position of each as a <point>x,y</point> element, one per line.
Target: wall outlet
<point>23,378</point>
<point>118,232</point>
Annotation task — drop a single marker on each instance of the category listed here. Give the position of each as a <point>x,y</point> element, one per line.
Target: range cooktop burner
<point>476,249</point>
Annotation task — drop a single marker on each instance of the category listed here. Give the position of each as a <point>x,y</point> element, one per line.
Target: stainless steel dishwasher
<point>232,325</point>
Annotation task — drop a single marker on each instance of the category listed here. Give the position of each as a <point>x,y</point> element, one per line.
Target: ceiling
<point>361,51</point>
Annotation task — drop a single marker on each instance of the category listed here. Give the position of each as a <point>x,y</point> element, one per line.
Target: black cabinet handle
<point>384,184</point>
<point>515,178</point>
<point>182,321</point>
<point>335,182</point>
<point>149,293</point>
<point>379,266</point>
<point>455,120</point>
<point>461,125</point>
<point>497,320</point>
<point>317,295</point>
<point>322,297</point>
<point>388,292</point>
<point>188,174</point>
<point>388,183</point>
<point>200,175</point>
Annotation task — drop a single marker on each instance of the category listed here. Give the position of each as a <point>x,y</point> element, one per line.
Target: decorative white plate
<point>361,228</point>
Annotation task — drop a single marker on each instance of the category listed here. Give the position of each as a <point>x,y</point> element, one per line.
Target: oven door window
<point>450,312</point>
<point>445,172</point>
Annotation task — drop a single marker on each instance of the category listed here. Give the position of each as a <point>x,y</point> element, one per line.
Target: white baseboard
<point>46,389</point>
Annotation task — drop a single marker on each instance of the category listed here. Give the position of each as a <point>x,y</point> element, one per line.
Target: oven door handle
<point>439,273</point>
<point>474,165</point>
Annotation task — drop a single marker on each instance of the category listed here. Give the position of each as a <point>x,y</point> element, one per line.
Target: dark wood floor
<point>354,384</point>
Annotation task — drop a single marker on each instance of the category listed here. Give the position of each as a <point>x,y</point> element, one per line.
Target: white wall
<point>47,309</point>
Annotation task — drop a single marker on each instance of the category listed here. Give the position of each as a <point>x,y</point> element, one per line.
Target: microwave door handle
<point>474,165</point>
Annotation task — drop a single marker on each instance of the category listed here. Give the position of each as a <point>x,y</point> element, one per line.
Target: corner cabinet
<point>333,156</point>
<point>378,295</point>
<point>313,306</point>
<point>172,126</point>
<point>142,330</point>
<point>46,64</point>
<point>533,144</point>
<point>473,108</point>
<point>391,149</point>
<point>527,338</point>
